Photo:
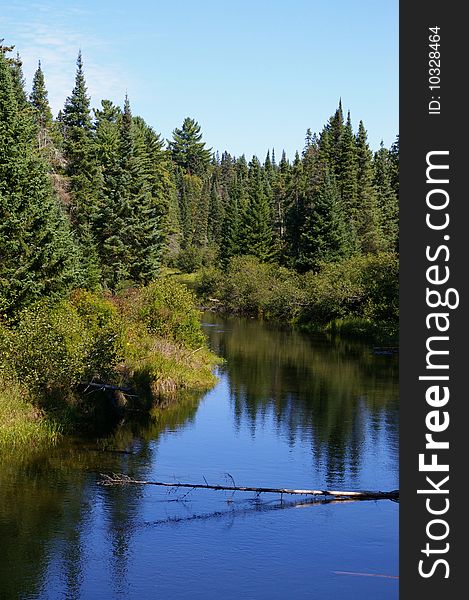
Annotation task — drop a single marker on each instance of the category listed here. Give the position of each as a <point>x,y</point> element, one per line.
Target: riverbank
<point>357,297</point>
<point>82,364</point>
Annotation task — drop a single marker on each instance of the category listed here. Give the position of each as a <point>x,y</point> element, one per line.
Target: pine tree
<point>295,210</point>
<point>37,254</point>
<point>130,220</point>
<point>82,170</point>
<point>41,108</point>
<point>324,234</point>
<point>256,228</point>
<point>387,199</point>
<point>188,150</point>
<point>368,217</point>
<point>348,171</point>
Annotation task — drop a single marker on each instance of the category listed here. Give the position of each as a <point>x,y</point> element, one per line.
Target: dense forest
<point>97,199</point>
<point>95,206</point>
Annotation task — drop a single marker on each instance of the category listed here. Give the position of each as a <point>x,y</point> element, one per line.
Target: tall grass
<point>21,423</point>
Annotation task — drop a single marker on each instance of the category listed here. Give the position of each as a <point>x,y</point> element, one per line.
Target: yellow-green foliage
<point>361,288</point>
<point>165,349</point>
<point>167,309</point>
<point>148,339</point>
<point>20,421</point>
<point>55,346</point>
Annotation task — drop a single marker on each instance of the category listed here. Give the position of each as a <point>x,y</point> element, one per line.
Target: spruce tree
<point>279,193</point>
<point>130,219</point>
<point>394,156</point>
<point>41,108</point>
<point>158,173</point>
<point>39,99</point>
<point>325,235</point>
<point>387,199</point>
<point>82,170</point>
<point>188,150</point>
<point>348,171</point>
<point>215,213</point>
<point>295,210</point>
<point>37,253</point>
<point>368,217</point>
<point>256,232</point>
<point>230,193</point>
<point>18,83</point>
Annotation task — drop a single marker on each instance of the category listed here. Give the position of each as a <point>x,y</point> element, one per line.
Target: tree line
<point>97,199</point>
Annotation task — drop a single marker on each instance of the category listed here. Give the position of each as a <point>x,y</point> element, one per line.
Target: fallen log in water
<point>357,495</point>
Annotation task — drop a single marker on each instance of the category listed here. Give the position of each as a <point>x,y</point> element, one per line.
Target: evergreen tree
<point>37,254</point>
<point>82,170</point>
<point>215,213</point>
<point>368,217</point>
<point>324,235</point>
<point>256,230</point>
<point>230,192</point>
<point>230,234</point>
<point>188,150</point>
<point>295,210</point>
<point>330,140</point>
<point>158,172</point>
<point>39,99</point>
<point>130,231</point>
<point>41,109</point>
<point>348,171</point>
<point>279,193</point>
<point>387,199</point>
<point>18,83</point>
<point>394,157</point>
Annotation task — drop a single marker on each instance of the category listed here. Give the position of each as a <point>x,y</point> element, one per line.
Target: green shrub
<point>50,347</point>
<point>106,332</point>
<point>193,258</point>
<point>189,259</point>
<point>246,288</point>
<point>209,283</point>
<point>55,346</point>
<point>362,286</point>
<point>167,309</point>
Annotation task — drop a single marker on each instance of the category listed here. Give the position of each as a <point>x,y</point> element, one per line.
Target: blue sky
<point>255,75</point>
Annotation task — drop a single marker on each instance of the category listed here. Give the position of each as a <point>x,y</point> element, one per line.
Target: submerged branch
<point>116,479</point>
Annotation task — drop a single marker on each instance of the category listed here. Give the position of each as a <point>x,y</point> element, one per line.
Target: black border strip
<point>422,131</point>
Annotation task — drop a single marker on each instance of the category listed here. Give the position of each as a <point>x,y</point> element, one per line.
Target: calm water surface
<point>289,410</point>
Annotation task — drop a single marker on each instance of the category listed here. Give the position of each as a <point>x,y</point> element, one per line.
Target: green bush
<point>106,332</point>
<point>55,346</point>
<point>246,288</point>
<point>209,283</point>
<point>167,309</point>
<point>254,288</point>
<point>50,347</point>
<point>193,258</point>
<point>362,286</point>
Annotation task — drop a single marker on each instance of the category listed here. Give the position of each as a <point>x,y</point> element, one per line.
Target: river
<point>290,410</point>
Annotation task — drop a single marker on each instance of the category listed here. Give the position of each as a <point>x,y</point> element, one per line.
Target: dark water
<point>289,411</point>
